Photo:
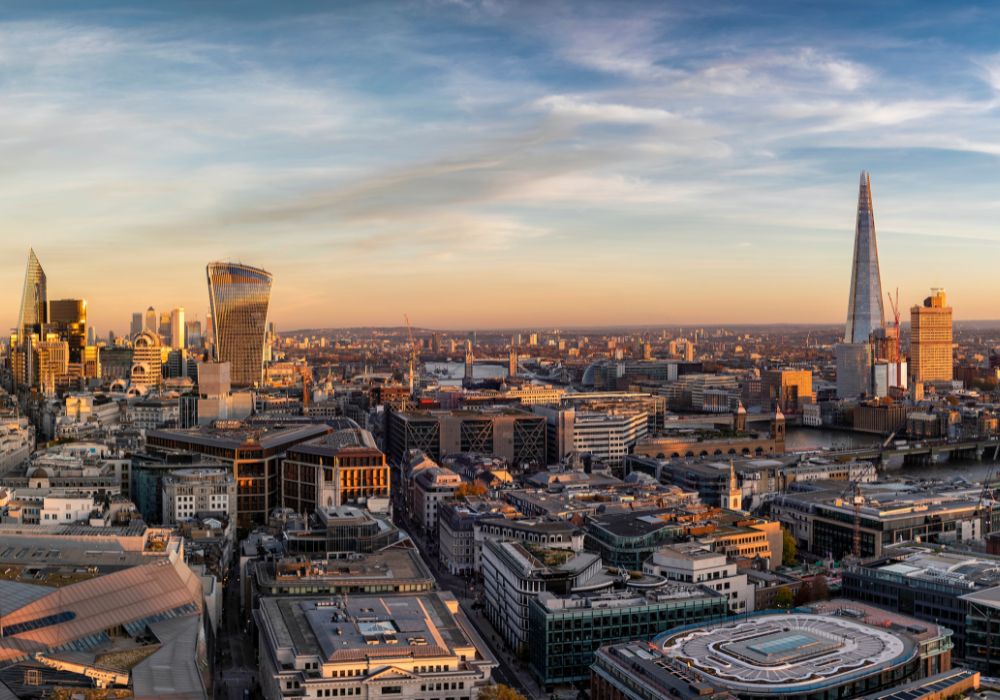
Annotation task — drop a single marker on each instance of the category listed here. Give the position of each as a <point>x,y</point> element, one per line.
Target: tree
<point>820,588</point>
<point>789,549</point>
<point>785,597</point>
<point>499,692</point>
<point>805,593</point>
<point>467,488</point>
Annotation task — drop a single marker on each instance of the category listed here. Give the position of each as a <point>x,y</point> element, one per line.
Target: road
<point>236,660</point>
<point>511,671</point>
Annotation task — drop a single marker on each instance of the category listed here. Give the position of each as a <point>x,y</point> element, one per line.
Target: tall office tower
<point>865,314</point>
<point>164,329</point>
<point>238,296</point>
<point>931,339</point>
<point>470,362</point>
<point>512,362</point>
<point>177,329</point>
<point>151,320</point>
<point>34,300</point>
<point>68,320</point>
<point>136,327</point>
<point>864,310</point>
<point>32,316</point>
<point>192,334</point>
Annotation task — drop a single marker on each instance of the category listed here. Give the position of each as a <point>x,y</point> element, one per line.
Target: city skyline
<point>643,165</point>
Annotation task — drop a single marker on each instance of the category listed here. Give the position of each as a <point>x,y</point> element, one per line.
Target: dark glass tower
<point>238,295</point>
<point>864,310</point>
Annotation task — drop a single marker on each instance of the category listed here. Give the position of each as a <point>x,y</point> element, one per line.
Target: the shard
<point>864,311</point>
<point>34,301</point>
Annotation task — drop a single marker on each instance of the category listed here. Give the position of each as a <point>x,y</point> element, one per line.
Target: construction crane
<point>894,305</point>
<point>413,351</point>
<point>857,500</point>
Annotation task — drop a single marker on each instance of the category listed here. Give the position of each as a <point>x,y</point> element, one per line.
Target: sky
<point>479,164</point>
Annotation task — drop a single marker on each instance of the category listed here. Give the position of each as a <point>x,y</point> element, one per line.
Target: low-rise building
<point>691,562</point>
<point>188,493</point>
<point>396,646</point>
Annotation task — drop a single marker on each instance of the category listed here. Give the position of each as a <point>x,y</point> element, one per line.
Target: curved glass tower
<point>34,301</point>
<point>238,295</point>
<point>864,309</point>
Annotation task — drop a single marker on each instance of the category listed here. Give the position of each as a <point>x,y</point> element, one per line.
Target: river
<point>798,439</point>
<point>451,373</point>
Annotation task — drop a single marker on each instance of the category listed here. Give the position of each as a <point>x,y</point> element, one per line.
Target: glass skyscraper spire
<point>34,300</point>
<point>238,295</point>
<point>864,311</point>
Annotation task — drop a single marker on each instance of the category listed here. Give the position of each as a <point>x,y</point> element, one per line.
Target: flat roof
<point>233,438</point>
<point>788,653</point>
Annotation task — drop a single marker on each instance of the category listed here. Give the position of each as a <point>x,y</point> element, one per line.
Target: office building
<point>341,468</point>
<point>33,314</point>
<point>564,632</point>
<point>177,329</point>
<point>68,320</point>
<point>190,493</point>
<point>628,538</point>
<point>839,649</point>
<point>514,573</point>
<point>694,562</point>
<point>513,435</point>
<point>787,389</point>
<point>865,313</point>
<point>532,532</point>
<point>431,488</point>
<point>254,455</point>
<point>147,361</point>
<point>151,324</point>
<point>53,364</point>
<point>930,584</point>
<point>136,326</point>
<point>410,647</point>
<point>239,296</point>
<point>931,339</point>
<point>216,399</point>
<point>335,533</point>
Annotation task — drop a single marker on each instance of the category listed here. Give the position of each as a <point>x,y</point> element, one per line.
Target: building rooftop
<point>332,444</point>
<point>787,653</point>
<point>357,628</point>
<point>238,434</point>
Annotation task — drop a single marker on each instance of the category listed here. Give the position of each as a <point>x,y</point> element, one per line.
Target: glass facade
<point>864,310</point>
<point>238,295</point>
<point>562,643</point>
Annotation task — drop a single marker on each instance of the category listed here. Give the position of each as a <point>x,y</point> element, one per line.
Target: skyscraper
<point>931,339</point>
<point>136,327</point>
<point>864,310</point>
<point>34,300</point>
<point>865,314</point>
<point>177,329</point>
<point>32,316</point>
<point>238,296</point>
<point>151,320</point>
<point>68,320</point>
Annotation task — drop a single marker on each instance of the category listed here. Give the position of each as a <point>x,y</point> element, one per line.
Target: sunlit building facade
<point>931,339</point>
<point>32,316</point>
<point>147,360</point>
<point>238,295</point>
<point>68,320</point>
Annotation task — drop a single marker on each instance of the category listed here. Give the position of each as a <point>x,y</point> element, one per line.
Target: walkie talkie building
<point>238,295</point>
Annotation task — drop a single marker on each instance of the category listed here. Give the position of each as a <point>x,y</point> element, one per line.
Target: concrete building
<point>147,361</point>
<point>931,339</point>
<point>693,562</point>
<point>188,493</point>
<point>431,488</point>
<point>411,647</point>
<point>607,432</point>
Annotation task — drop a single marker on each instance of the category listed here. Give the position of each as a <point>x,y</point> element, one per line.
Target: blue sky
<point>499,164</point>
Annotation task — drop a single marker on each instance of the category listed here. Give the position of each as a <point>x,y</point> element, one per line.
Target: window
<point>392,690</point>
